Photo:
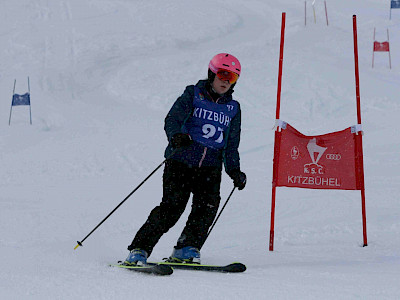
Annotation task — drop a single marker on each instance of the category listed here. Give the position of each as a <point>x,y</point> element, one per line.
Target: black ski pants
<point>179,181</point>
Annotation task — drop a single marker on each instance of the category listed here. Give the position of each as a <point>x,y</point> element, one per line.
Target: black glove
<point>181,140</point>
<point>239,178</point>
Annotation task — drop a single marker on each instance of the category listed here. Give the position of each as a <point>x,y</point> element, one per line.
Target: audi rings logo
<point>333,156</point>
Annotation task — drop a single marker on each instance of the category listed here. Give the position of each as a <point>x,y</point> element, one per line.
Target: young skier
<point>203,130</point>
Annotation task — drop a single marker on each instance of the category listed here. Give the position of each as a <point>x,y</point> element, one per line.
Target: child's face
<point>221,86</point>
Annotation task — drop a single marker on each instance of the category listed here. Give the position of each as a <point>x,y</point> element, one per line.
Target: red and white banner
<point>328,161</point>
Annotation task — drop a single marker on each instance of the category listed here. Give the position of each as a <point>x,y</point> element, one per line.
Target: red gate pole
<point>360,169</point>
<point>390,63</point>
<point>305,13</point>
<point>278,96</point>
<point>373,49</point>
<point>277,141</point>
<point>326,14</point>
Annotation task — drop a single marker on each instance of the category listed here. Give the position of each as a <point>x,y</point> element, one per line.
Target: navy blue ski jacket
<point>198,153</point>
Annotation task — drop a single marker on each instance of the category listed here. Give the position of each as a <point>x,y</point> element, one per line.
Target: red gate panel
<point>381,47</point>
<point>326,161</point>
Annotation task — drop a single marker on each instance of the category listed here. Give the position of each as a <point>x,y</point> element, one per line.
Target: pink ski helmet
<point>225,61</point>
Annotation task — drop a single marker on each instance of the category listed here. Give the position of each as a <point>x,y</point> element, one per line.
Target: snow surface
<point>103,75</point>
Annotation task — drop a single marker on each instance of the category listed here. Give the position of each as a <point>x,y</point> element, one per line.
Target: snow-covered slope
<point>103,75</point>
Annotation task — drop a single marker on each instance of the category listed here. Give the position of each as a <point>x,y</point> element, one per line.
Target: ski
<point>154,269</point>
<point>235,267</point>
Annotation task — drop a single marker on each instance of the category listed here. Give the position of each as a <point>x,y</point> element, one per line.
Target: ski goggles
<point>226,75</point>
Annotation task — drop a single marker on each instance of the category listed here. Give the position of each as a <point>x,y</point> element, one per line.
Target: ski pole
<point>222,209</point>
<point>126,198</point>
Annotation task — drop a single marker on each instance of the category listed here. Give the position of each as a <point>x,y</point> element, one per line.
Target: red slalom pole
<point>357,76</point>
<point>305,13</point>
<point>373,50</point>
<point>326,14</point>
<point>277,136</point>
<point>390,61</point>
<point>278,101</point>
<point>360,168</point>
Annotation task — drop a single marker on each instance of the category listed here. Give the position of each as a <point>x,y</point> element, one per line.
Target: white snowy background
<point>103,75</point>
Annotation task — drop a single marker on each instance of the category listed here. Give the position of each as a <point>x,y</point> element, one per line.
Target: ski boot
<point>136,257</point>
<point>185,255</point>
